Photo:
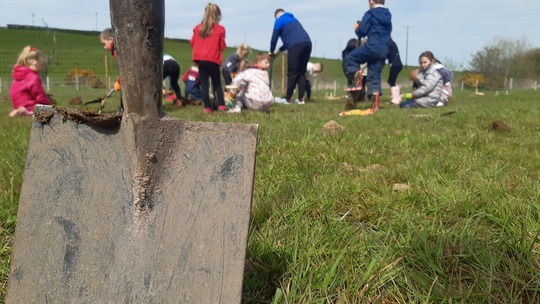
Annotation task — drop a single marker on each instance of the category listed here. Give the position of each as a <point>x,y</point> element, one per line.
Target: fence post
<point>335,87</point>
<point>77,82</point>
<point>535,86</point>
<point>511,84</point>
<point>48,84</point>
<point>0,84</point>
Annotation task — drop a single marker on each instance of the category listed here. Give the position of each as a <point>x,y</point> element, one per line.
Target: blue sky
<point>453,29</point>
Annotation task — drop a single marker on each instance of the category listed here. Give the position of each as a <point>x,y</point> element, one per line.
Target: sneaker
<point>222,108</point>
<point>281,100</point>
<point>207,110</point>
<point>235,109</point>
<point>298,101</point>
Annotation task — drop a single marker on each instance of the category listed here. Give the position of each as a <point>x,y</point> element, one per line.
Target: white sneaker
<point>235,109</point>
<point>281,100</point>
<point>298,101</point>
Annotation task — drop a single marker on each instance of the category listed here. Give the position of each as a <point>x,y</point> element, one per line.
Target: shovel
<point>152,210</point>
<point>101,100</point>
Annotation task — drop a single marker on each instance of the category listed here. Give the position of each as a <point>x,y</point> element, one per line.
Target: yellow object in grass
<point>356,112</point>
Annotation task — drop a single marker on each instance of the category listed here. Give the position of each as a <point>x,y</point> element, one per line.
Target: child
<point>235,63</point>
<point>312,69</point>
<point>171,70</point>
<point>254,86</point>
<point>208,41</point>
<point>394,60</point>
<point>26,90</point>
<point>430,85</point>
<point>447,76</point>
<point>298,45</point>
<point>353,96</point>
<point>377,25</point>
<point>106,38</point>
<point>193,85</point>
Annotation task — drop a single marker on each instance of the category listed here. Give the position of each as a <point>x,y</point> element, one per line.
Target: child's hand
<point>356,25</point>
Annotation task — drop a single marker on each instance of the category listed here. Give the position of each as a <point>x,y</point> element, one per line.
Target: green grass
<point>466,231</point>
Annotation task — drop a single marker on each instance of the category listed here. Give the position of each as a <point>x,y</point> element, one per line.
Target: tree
<point>501,60</point>
<point>532,58</point>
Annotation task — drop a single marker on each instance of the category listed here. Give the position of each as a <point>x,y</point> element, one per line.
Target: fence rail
<point>96,69</point>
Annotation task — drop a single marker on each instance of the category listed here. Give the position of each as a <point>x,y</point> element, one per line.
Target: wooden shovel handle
<point>138,27</point>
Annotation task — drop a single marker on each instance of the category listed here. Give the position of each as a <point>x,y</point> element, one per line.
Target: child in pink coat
<point>26,90</point>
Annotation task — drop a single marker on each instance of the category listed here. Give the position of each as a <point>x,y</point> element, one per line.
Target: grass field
<point>327,225</point>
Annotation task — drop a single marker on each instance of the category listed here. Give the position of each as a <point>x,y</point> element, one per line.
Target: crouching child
<point>253,86</point>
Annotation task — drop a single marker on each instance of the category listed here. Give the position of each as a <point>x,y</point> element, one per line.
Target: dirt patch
<point>83,116</point>
<point>332,127</point>
<point>76,101</point>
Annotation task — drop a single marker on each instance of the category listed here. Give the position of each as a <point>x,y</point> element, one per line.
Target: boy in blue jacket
<point>376,24</point>
<point>298,45</point>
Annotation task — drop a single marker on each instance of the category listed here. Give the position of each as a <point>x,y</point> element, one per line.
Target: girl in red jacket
<point>26,89</point>
<point>208,41</point>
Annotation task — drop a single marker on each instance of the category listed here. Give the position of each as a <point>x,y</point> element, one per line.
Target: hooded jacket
<point>377,25</point>
<point>209,48</point>
<point>429,93</point>
<point>256,82</point>
<point>26,89</point>
<point>291,32</point>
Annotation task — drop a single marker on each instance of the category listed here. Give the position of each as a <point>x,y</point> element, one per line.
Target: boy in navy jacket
<point>376,24</point>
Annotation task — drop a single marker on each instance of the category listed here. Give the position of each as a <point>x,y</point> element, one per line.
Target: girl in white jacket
<point>430,85</point>
<point>253,86</point>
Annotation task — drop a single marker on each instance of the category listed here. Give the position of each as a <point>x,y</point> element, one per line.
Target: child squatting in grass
<point>26,90</point>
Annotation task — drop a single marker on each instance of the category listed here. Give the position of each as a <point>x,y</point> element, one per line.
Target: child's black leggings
<point>210,71</point>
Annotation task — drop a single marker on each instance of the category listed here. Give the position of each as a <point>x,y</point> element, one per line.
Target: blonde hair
<point>212,15</point>
<point>241,49</point>
<point>31,53</point>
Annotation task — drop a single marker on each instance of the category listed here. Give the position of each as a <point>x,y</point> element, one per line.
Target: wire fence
<point>96,69</point>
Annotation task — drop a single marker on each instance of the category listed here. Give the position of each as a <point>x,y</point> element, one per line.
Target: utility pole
<point>407,46</point>
<point>96,22</point>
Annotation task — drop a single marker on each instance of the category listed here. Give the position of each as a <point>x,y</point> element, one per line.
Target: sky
<point>453,30</point>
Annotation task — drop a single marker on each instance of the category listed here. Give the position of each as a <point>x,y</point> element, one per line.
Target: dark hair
<point>279,10</point>
<point>429,55</point>
<point>378,2</point>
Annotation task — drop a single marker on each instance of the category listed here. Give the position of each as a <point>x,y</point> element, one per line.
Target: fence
<point>97,69</point>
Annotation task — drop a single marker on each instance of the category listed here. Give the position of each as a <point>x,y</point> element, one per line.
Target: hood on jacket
<point>382,15</point>
<point>21,72</point>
